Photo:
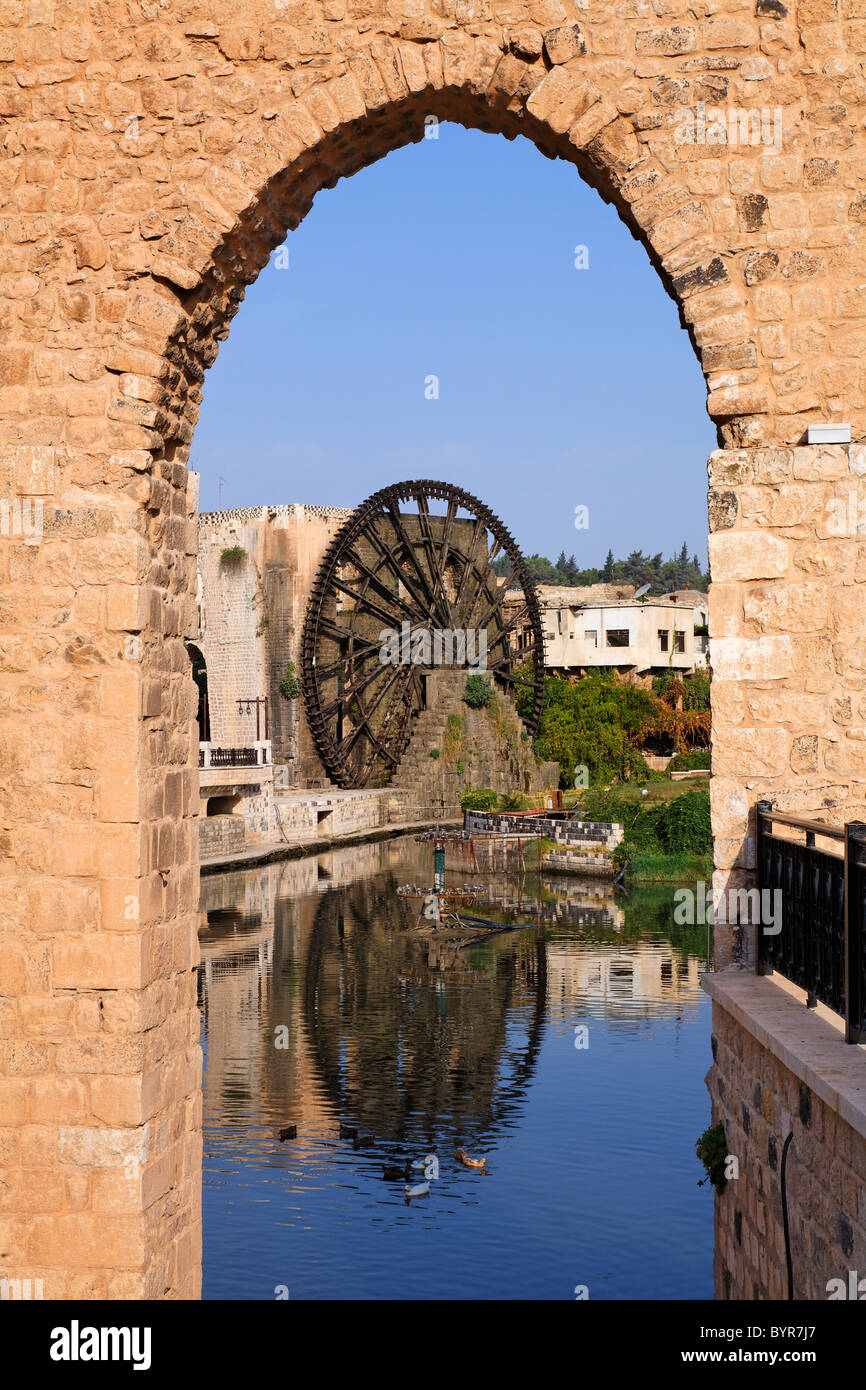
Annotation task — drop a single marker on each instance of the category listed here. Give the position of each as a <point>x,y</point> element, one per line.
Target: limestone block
<point>751,658</point>
<point>742,555</point>
<point>752,753</point>
<point>787,607</point>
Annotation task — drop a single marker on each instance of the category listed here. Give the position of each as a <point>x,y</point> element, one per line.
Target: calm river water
<point>321,1003</point>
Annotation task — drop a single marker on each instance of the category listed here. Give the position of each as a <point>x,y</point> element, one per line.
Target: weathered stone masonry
<point>780,1069</point>
<point>154,155</point>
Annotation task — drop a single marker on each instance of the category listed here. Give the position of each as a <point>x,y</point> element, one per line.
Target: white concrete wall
<point>567,645</point>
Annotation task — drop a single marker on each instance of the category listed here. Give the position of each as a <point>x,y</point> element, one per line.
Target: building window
<point>618,637</point>
<point>663,640</point>
<point>591,635</point>
<point>679,641</point>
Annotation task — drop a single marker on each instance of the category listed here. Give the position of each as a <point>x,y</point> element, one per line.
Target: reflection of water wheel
<point>409,573</point>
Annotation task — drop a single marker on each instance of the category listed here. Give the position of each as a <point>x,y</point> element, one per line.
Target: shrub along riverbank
<point>664,837</point>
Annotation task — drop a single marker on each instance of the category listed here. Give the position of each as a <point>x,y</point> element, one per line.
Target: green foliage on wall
<point>594,722</point>
<point>478,692</point>
<point>603,722</point>
<point>712,1149</point>
<point>482,799</point>
<point>232,555</point>
<point>290,685</point>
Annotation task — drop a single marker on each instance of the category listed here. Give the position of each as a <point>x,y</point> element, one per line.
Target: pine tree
<point>683,571</point>
<point>607,572</point>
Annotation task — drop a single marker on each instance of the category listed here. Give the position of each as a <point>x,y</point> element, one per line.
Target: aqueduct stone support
<point>155,154</point>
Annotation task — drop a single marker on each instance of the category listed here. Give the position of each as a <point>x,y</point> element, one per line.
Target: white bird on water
<point>421,1189</point>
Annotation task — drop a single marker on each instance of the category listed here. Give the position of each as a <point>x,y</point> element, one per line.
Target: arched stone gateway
<point>154,155</point>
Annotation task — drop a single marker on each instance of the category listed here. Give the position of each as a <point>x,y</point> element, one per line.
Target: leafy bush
<point>596,722</point>
<point>478,692</point>
<point>290,685</point>
<point>603,722</point>
<point>680,826</point>
<point>684,827</point>
<point>232,555</point>
<point>434,752</point>
<point>512,801</point>
<point>482,799</point>
<point>690,760</point>
<point>696,692</point>
<point>712,1149</point>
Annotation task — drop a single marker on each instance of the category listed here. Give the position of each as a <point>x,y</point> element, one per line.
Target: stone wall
<point>777,1070</point>
<point>221,836</point>
<point>787,626</point>
<point>319,815</point>
<point>251,613</point>
<point>454,748</point>
<point>154,159</point>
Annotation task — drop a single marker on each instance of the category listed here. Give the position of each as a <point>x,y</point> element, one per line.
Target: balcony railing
<point>259,755</point>
<point>820,941</point>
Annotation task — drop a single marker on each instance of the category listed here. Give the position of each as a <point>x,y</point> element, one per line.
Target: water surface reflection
<point>322,1003</point>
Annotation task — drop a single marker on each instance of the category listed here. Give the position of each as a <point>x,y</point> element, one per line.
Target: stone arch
<point>153,159</point>
<point>233,220</point>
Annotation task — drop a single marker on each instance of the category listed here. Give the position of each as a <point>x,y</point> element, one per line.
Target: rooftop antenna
<point>644,589</point>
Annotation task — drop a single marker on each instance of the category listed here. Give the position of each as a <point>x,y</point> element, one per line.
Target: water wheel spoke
<point>387,554</point>
<point>351,691</point>
<point>369,604</point>
<point>450,514</point>
<point>437,574</point>
<point>360,652</point>
<point>379,748</point>
<point>390,596</point>
<point>480,528</point>
<point>409,551</point>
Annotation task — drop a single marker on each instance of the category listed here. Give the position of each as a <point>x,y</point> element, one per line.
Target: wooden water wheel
<point>404,577</point>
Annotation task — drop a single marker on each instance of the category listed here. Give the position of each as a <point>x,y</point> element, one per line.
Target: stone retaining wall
<point>779,1068</point>
<point>588,835</point>
<point>221,836</point>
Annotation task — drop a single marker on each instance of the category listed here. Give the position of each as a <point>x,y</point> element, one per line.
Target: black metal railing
<point>817,938</point>
<point>234,757</point>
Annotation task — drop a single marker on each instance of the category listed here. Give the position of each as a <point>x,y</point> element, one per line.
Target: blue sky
<point>558,387</point>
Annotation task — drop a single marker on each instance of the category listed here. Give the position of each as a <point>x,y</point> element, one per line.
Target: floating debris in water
<point>289,1132</point>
